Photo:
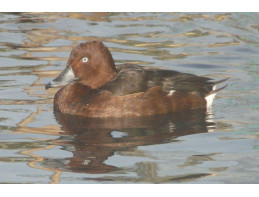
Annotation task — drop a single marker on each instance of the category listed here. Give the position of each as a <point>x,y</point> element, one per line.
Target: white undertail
<point>210,98</point>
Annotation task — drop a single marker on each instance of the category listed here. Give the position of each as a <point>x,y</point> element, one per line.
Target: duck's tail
<point>211,95</point>
<point>220,81</point>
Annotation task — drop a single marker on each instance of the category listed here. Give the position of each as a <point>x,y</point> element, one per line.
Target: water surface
<point>38,145</point>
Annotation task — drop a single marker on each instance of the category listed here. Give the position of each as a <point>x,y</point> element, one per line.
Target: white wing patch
<point>171,93</point>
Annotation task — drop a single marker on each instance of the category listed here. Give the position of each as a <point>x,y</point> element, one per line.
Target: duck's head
<point>90,63</point>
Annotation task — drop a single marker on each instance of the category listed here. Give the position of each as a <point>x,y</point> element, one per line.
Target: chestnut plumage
<point>94,87</point>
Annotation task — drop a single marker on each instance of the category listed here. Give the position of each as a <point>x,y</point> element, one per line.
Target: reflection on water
<point>37,146</point>
<point>93,141</point>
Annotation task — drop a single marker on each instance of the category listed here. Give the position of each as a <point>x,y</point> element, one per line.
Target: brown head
<point>90,63</point>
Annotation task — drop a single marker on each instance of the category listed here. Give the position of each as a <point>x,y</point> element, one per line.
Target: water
<point>39,146</point>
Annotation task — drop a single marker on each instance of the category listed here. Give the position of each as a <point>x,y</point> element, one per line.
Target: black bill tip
<point>47,86</point>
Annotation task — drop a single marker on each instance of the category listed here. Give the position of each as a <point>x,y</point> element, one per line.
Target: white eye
<point>85,59</point>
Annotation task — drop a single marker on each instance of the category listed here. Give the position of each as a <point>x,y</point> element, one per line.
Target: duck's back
<point>134,78</point>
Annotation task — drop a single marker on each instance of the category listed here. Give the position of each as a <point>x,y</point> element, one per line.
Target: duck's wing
<point>129,79</point>
<point>176,81</point>
<point>134,78</point>
<point>183,82</point>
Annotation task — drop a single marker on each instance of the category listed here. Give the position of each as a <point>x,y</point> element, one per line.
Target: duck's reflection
<point>94,140</point>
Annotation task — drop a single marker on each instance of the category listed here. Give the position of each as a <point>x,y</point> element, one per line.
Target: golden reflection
<point>92,16</point>
<point>38,37</point>
<point>221,17</point>
<point>147,172</point>
<point>55,178</point>
<point>197,159</point>
<point>46,130</point>
<point>222,44</point>
<point>195,33</point>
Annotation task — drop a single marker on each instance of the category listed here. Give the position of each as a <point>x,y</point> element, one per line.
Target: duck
<point>92,86</point>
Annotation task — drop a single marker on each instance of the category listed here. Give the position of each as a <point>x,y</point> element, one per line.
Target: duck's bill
<point>65,77</point>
